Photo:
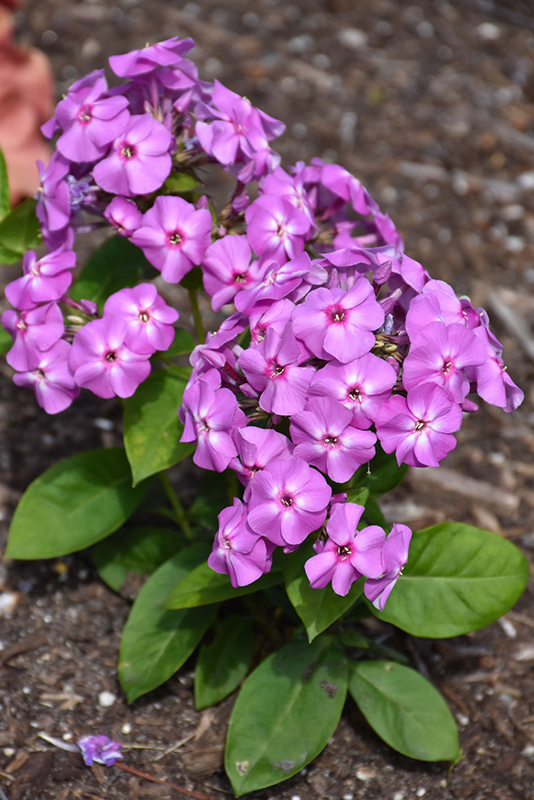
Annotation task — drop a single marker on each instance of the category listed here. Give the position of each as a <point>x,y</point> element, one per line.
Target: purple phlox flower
<point>33,332</point>
<point>288,501</point>
<point>237,550</point>
<point>210,417</point>
<point>273,281</point>
<point>227,269</point>
<point>43,280</point>
<point>438,303</point>
<point>277,316</point>
<point>493,383</point>
<point>187,89</point>
<point>90,122</point>
<point>52,379</point>
<point>149,319</point>
<point>362,385</point>
<point>229,330</point>
<point>325,438</point>
<point>102,361</point>
<point>291,188</point>
<point>256,447</point>
<point>139,160</point>
<point>348,554</point>
<point>124,215</point>
<point>53,198</point>
<point>145,60</point>
<point>275,228</point>
<point>339,324</point>
<point>395,556</point>
<point>99,750</point>
<point>420,426</point>
<point>272,368</point>
<point>174,236</point>
<point>441,355</point>
<point>341,183</point>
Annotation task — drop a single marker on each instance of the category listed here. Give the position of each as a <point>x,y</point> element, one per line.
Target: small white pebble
<point>8,602</point>
<point>365,774</point>
<point>103,424</point>
<point>348,797</point>
<point>8,751</point>
<point>398,796</point>
<point>488,31</point>
<point>527,751</point>
<point>295,797</point>
<point>443,784</point>
<point>508,628</point>
<point>2,645</point>
<point>515,244</point>
<point>106,699</point>
<point>126,728</point>
<point>47,618</point>
<point>420,792</point>
<point>462,720</point>
<point>525,653</point>
<point>526,180</point>
<point>353,38</point>
<point>26,690</point>
<point>67,736</point>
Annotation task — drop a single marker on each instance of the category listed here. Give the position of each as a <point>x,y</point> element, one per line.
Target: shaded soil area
<point>431,105</point>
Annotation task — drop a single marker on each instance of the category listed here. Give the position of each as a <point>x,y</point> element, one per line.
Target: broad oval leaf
<point>74,504</point>
<point>317,608</point>
<point>183,344</point>
<point>286,712</point>
<point>19,231</point>
<point>152,429</point>
<point>115,265</point>
<point>156,641</point>
<point>139,550</point>
<point>203,586</point>
<point>221,666</point>
<point>405,710</point>
<point>458,578</point>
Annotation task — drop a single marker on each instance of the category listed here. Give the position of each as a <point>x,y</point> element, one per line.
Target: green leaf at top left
<point>152,429</point>
<point>19,232</point>
<point>74,504</point>
<point>4,188</point>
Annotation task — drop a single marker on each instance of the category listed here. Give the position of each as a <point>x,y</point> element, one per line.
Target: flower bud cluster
<point>339,341</point>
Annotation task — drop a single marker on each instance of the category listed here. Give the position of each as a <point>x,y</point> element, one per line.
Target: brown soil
<point>431,105</point>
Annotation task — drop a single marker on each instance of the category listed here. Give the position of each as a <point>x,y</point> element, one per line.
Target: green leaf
<point>115,265</point>
<point>4,188</point>
<point>382,474</point>
<point>405,710</point>
<point>152,429</point>
<point>211,498</point>
<point>180,183</point>
<point>317,608</point>
<point>203,586</point>
<point>74,504</point>
<point>352,639</point>
<point>5,341</point>
<point>19,232</point>
<point>373,515</point>
<point>155,641</point>
<point>222,665</point>
<point>457,579</point>
<point>183,344</point>
<point>286,712</point>
<point>358,495</point>
<point>139,550</point>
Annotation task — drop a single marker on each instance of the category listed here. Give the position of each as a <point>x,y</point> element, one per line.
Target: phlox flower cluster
<point>335,342</point>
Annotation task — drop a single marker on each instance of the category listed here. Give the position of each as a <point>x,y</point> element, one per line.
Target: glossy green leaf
<point>19,232</point>
<point>405,710</point>
<point>73,505</point>
<point>115,265</point>
<point>317,608</point>
<point>221,666</point>
<point>180,183</point>
<point>139,550</point>
<point>284,715</point>
<point>156,641</point>
<point>203,586</point>
<point>183,344</point>
<point>382,474</point>
<point>212,496</point>
<point>5,340</point>
<point>4,188</point>
<point>358,495</point>
<point>152,429</point>
<point>457,579</point>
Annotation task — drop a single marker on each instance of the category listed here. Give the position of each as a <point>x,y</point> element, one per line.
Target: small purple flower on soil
<point>99,750</point>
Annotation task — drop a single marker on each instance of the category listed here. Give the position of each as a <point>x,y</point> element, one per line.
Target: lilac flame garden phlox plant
<point>335,361</point>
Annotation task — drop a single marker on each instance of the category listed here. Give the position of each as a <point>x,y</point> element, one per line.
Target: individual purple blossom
<point>277,316</point>
<point>273,281</point>
<point>493,383</point>
<point>337,323</point>
<point>33,332</point>
<point>325,438</point>
<point>102,362</point>
<point>273,369</point>
<point>43,280</point>
<point>174,236</point>
<point>256,447</point>
<point>124,215</point>
<point>438,303</point>
<point>227,269</point>
<point>348,553</point>
<point>209,417</point>
<point>146,59</point>
<point>51,379</point>
<point>149,319</point>
<point>275,228</point>
<point>362,385</point>
<point>288,501</point>
<point>53,197</point>
<point>237,550</point>
<point>99,750</point>
<point>139,160</point>
<point>394,556</point>
<point>419,427</point>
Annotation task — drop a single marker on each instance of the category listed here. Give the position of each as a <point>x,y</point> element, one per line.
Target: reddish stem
<point>174,786</point>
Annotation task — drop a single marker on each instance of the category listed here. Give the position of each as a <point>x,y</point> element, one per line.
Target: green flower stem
<point>179,511</point>
<point>197,316</point>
